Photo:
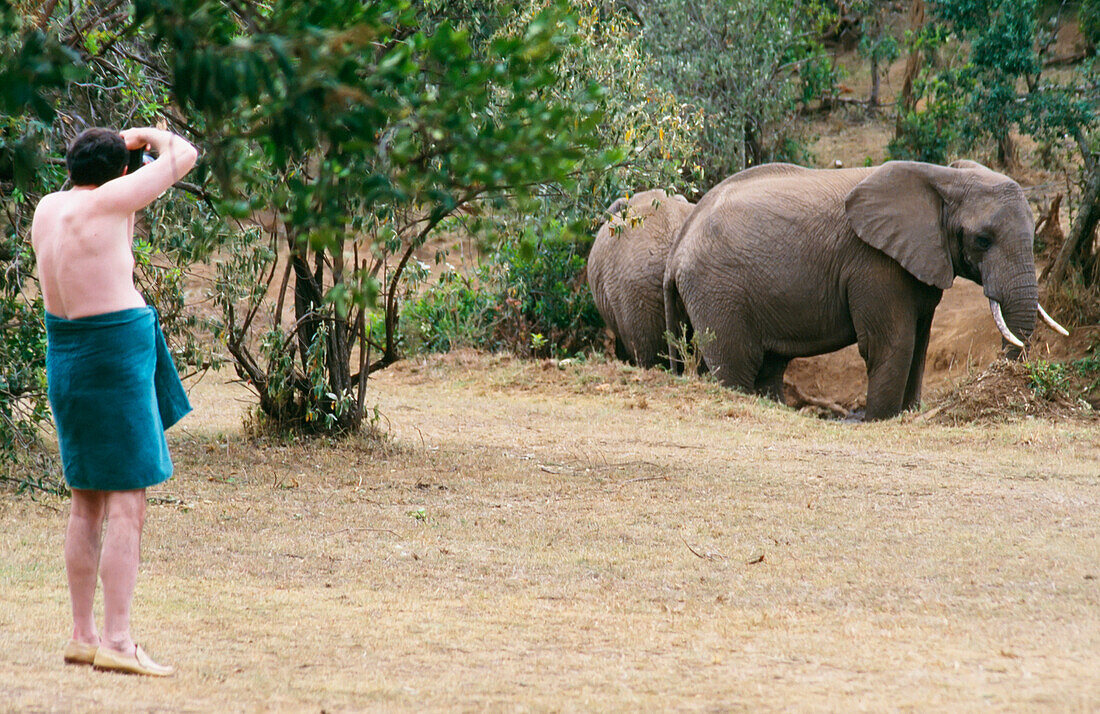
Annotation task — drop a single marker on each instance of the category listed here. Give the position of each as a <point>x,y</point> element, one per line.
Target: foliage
<point>540,289</point>
<point>336,139</point>
<point>992,85</point>
<point>360,129</point>
<point>1048,379</point>
<point>30,66</point>
<point>995,86</point>
<point>454,312</point>
<point>529,298</point>
<point>1088,369</point>
<point>748,66</point>
<point>932,133</point>
<point>1089,16</point>
<point>1078,380</point>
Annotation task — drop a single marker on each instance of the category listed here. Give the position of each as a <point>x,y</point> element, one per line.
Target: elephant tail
<point>677,325</point>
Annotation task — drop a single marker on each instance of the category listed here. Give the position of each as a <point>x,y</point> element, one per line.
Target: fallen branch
<point>713,555</point>
<point>803,400</point>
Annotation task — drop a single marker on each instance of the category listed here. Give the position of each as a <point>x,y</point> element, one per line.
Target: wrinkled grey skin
<point>781,261</point>
<point>626,267</point>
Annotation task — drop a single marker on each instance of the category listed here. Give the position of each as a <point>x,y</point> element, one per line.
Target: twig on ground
<point>710,555</point>
<point>372,530</point>
<point>644,478</point>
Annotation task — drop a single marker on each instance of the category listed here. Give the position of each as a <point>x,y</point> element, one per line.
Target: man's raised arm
<point>131,192</point>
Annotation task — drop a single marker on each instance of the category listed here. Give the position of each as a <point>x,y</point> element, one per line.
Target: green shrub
<point>1088,371</point>
<point>931,133</point>
<point>1074,381</point>
<point>539,289</point>
<point>528,297</point>
<point>1089,16</point>
<point>1049,380</point>
<point>455,312</point>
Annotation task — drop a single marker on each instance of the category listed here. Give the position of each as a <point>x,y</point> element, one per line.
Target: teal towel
<point>113,390</point>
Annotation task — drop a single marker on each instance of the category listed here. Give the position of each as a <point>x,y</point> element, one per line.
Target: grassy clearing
<point>594,537</point>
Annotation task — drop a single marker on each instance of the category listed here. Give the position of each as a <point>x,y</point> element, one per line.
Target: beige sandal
<point>79,652</point>
<point>137,663</point>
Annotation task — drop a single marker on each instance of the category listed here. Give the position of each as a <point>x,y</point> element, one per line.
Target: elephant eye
<point>983,242</point>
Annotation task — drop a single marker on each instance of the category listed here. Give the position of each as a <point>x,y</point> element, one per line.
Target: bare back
<point>83,237</point>
<point>85,262</point>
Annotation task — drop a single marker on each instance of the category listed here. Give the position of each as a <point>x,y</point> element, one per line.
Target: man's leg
<point>118,565</point>
<point>82,544</point>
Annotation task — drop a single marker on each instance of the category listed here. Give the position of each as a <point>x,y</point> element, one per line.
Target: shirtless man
<point>83,245</point>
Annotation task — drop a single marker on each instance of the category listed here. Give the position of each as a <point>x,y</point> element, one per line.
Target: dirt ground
<point>591,537</point>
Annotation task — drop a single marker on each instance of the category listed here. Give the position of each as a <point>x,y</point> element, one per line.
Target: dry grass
<point>591,538</point>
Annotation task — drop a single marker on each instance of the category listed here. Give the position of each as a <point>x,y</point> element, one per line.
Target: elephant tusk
<point>1050,321</point>
<point>999,319</point>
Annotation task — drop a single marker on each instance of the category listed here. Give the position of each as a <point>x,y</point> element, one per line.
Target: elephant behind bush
<point>625,269</point>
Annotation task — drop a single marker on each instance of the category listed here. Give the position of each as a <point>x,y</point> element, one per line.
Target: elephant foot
<point>855,417</point>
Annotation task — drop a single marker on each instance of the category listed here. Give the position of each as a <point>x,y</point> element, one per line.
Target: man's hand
<point>133,139</point>
<point>140,137</point>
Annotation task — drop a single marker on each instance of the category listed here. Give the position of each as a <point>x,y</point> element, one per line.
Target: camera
<point>138,158</point>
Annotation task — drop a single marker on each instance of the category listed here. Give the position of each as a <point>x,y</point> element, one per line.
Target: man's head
<point>96,156</point>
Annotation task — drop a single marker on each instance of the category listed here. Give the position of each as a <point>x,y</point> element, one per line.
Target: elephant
<point>781,261</point>
<point>625,270</point>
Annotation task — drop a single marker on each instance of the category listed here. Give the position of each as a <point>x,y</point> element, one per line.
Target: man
<point>112,386</point>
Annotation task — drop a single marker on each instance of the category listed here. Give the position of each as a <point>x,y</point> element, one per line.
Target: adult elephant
<point>781,261</point>
<point>626,267</point>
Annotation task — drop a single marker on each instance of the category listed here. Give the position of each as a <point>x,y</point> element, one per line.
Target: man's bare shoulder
<point>45,213</point>
<point>50,200</point>
<point>62,204</point>
<point>58,201</point>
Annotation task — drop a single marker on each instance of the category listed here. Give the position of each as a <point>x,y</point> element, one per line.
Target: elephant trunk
<point>1015,309</point>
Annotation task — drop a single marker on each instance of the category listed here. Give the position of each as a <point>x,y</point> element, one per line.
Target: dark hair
<point>96,156</point>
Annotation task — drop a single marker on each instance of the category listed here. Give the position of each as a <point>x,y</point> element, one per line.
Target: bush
<point>453,313</point>
<point>1089,16</point>
<point>1049,379</point>
<point>530,297</point>
<point>748,66</point>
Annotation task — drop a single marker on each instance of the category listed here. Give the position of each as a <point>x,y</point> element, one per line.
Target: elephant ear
<point>899,210</point>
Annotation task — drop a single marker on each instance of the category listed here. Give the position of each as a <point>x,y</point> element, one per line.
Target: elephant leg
<point>889,359</point>
<point>733,360</point>
<point>916,371</point>
<point>769,380</point>
<point>621,353</point>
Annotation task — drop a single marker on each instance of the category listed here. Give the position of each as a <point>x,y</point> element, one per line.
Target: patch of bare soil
<point>1005,390</point>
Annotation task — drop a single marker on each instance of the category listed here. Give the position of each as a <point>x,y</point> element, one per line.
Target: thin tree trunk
<point>872,102</point>
<point>1006,152</point>
<point>906,101</point>
<point>1078,247</point>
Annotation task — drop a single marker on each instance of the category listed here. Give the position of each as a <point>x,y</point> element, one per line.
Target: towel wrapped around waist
<point>113,390</point>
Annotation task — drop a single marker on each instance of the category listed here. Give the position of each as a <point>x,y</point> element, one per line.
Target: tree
<point>999,86</point>
<point>876,44</point>
<point>336,139</point>
<point>350,132</point>
<point>32,65</point>
<point>748,66</point>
